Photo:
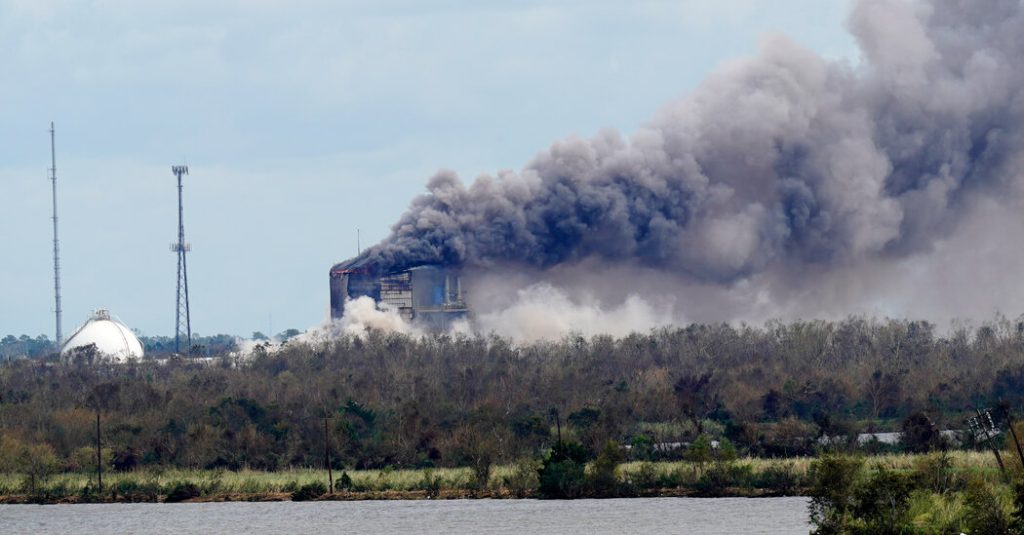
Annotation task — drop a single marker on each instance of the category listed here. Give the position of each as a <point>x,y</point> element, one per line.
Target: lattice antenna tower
<point>183,321</point>
<point>56,242</point>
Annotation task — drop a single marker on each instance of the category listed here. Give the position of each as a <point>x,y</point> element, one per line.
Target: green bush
<point>833,481</point>
<point>133,491</point>
<point>645,477</point>
<point>678,478</point>
<point>182,490</point>
<point>524,478</point>
<point>722,475</point>
<point>38,462</point>
<point>699,451</point>
<point>344,482</point>
<point>641,448</point>
<point>603,480</point>
<point>561,475</point>
<point>725,450</point>
<point>778,478</point>
<point>937,473</point>
<point>309,491</point>
<point>88,494</point>
<point>1017,518</point>
<point>881,504</point>
<point>430,483</point>
<point>984,514</point>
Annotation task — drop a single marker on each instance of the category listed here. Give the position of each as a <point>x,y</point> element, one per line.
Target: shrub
<point>39,462</point>
<point>645,476</point>
<point>603,480</point>
<point>779,478</point>
<point>84,459</point>
<point>309,491</point>
<point>882,503</point>
<point>430,483</point>
<point>10,454</point>
<point>524,477</point>
<point>181,491</point>
<point>833,479</point>
<point>937,473</point>
<point>561,473</point>
<point>699,451</point>
<point>88,494</point>
<point>919,435</point>
<point>344,482</point>
<point>984,514</point>
<point>725,450</point>
<point>481,460</point>
<point>1017,521</point>
<point>133,491</point>
<point>641,448</point>
<point>722,475</point>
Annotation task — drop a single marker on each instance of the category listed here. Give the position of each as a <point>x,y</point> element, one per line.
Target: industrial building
<point>430,296</point>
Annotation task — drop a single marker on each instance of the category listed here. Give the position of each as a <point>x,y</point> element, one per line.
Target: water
<point>527,517</point>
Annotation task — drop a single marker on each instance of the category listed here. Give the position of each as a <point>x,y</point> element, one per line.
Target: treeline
<point>392,400</point>
<point>217,344</point>
<point>24,346</point>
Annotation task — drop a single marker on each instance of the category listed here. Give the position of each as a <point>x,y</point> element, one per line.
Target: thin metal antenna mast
<point>181,247</point>
<point>56,242</point>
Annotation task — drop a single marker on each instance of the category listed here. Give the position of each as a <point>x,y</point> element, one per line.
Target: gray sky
<point>302,121</point>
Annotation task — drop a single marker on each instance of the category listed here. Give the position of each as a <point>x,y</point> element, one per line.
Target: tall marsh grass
<point>783,476</point>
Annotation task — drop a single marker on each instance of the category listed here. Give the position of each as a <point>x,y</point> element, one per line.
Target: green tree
<point>603,477</point>
<point>834,479</point>
<point>561,475</point>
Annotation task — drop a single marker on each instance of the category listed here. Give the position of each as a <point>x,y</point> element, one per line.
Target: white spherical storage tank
<point>113,340</point>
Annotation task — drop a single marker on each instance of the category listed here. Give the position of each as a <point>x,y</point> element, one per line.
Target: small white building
<point>113,339</point>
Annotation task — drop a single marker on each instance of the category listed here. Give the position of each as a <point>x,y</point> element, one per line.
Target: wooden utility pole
<point>99,454</point>
<point>1013,433</point>
<point>988,438</point>
<point>558,425</point>
<point>327,458</point>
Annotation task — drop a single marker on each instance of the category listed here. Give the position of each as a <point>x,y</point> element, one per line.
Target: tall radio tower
<point>184,324</point>
<point>56,243</point>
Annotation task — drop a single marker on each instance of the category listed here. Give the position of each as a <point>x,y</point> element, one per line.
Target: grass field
<point>741,477</point>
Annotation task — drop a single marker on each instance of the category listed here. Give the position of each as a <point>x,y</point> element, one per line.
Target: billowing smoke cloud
<point>362,315</point>
<point>777,171</point>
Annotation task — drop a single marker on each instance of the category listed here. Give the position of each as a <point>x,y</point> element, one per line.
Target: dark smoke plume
<point>782,158</point>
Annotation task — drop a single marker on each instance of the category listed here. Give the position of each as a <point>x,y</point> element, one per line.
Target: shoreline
<point>741,478</point>
<point>392,495</point>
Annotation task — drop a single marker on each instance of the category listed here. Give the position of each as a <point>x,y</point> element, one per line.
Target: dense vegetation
<point>446,401</point>
<point>853,495</point>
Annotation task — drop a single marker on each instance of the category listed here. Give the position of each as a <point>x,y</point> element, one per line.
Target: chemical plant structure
<point>429,296</point>
<point>112,340</point>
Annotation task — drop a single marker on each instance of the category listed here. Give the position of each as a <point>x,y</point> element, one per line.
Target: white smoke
<point>543,312</point>
<point>363,315</point>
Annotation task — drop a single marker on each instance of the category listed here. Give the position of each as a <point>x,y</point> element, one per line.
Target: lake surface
<point>590,517</point>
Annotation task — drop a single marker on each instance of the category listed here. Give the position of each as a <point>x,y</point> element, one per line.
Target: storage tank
<point>114,341</point>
